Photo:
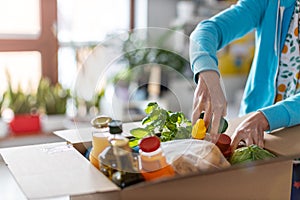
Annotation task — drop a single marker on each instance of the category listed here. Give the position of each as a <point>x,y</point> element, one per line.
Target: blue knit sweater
<point>270,19</point>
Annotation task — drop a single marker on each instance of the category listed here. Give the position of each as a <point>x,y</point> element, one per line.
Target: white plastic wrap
<point>189,156</point>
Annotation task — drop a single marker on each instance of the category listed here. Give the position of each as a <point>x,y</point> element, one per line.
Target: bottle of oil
<point>107,158</point>
<point>99,140</point>
<point>127,172</point>
<point>153,161</point>
<point>117,161</point>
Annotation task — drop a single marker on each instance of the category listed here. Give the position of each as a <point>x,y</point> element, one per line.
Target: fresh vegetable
<point>250,153</point>
<point>223,124</point>
<point>167,125</point>
<point>199,130</point>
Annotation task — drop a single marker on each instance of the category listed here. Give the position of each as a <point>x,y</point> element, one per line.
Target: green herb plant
<point>167,125</point>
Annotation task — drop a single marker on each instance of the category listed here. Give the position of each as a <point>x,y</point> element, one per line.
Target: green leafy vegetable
<point>250,153</point>
<point>134,142</point>
<point>139,132</point>
<point>169,125</point>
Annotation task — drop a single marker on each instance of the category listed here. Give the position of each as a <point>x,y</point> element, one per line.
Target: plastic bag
<point>190,156</point>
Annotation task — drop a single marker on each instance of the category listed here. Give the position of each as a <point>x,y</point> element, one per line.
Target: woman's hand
<point>209,98</point>
<point>251,131</point>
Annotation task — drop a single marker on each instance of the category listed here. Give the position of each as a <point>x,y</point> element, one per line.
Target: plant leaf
<point>151,106</point>
<point>134,142</point>
<point>139,132</point>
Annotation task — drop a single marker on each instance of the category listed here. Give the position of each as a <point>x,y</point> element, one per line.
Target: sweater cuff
<point>204,63</point>
<point>277,116</point>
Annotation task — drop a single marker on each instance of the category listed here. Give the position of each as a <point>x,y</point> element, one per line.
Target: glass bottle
<point>117,161</point>
<point>107,158</point>
<point>99,138</point>
<point>127,173</point>
<point>153,161</point>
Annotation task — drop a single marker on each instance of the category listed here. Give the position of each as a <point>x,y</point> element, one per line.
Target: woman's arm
<point>285,113</point>
<point>212,34</point>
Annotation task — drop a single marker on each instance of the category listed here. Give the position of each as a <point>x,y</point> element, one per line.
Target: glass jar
<point>99,138</point>
<point>153,161</point>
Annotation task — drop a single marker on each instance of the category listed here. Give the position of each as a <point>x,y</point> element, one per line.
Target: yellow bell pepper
<point>199,130</point>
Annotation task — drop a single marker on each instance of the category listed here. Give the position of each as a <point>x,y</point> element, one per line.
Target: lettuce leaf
<point>249,154</point>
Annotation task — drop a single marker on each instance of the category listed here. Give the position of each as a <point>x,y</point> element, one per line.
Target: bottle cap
<point>100,121</point>
<point>149,144</point>
<point>223,142</point>
<point>115,127</point>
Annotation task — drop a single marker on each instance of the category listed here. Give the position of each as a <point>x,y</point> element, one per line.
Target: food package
<point>191,156</point>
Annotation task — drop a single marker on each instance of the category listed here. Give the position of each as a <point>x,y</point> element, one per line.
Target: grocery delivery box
<point>60,169</point>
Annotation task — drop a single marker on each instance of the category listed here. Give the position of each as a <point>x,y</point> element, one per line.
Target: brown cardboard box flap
<point>284,142</point>
<point>82,135</point>
<point>47,170</point>
<point>74,136</point>
<point>237,182</point>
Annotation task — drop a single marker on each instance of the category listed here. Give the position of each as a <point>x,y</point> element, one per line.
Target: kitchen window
<point>83,24</point>
<point>52,37</point>
<point>28,44</point>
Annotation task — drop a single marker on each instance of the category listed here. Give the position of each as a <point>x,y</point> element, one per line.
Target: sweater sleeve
<point>285,113</point>
<point>212,34</point>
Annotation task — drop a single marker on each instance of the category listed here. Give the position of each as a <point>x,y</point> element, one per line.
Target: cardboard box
<point>8,184</point>
<point>59,169</point>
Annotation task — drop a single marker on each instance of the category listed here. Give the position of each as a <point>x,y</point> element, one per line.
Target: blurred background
<point>62,62</point>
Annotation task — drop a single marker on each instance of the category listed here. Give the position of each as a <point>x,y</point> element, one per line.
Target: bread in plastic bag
<point>191,156</point>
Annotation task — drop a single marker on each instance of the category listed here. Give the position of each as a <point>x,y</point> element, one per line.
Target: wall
<point>161,12</point>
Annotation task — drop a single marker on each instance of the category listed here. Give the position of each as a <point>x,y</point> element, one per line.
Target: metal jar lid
<point>100,121</point>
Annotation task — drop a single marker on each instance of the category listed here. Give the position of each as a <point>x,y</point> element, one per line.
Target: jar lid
<point>115,127</point>
<point>149,144</point>
<point>223,142</point>
<point>100,121</point>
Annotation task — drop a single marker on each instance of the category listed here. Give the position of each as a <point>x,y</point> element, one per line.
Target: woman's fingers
<point>258,138</point>
<point>237,138</point>
<point>251,130</point>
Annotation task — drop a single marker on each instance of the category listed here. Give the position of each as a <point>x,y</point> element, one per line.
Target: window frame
<point>46,43</point>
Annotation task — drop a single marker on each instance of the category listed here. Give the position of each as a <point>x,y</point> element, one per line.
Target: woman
<point>272,92</point>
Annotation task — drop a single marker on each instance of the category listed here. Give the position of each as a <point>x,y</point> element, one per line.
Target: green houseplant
<point>141,52</point>
<point>1,103</point>
<point>3,124</point>
<point>48,99</point>
<point>52,99</point>
<point>24,106</point>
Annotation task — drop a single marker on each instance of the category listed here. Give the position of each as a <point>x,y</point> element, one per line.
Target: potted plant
<point>52,100</point>
<point>41,110</point>
<point>140,54</point>
<point>24,107</point>
<point>3,125</point>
